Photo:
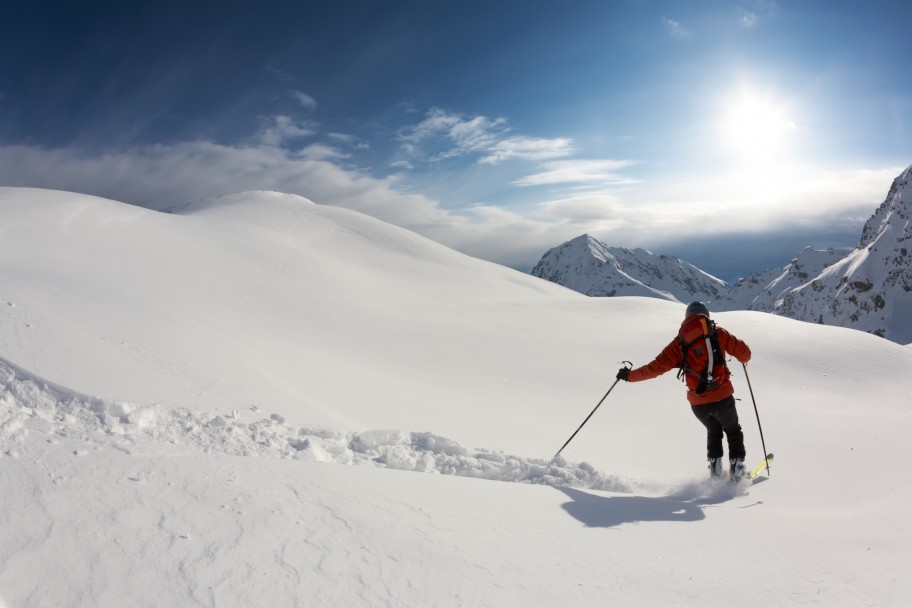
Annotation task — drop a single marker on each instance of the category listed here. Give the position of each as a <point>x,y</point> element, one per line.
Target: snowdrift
<point>34,404</point>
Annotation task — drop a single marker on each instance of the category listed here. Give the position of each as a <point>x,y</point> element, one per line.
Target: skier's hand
<point>623,373</point>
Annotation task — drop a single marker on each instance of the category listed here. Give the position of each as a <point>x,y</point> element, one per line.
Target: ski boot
<point>715,468</point>
<point>739,472</point>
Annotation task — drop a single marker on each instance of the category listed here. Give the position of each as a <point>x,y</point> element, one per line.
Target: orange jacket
<point>671,358</point>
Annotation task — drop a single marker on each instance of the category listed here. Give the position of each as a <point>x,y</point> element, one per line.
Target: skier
<point>700,355</point>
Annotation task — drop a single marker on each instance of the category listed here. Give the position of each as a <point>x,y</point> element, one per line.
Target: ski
<point>759,469</point>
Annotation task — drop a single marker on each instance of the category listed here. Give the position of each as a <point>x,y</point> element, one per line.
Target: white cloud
<point>740,203</point>
<point>675,28</point>
<point>280,129</point>
<point>321,152</point>
<point>461,135</point>
<point>349,140</point>
<point>755,11</point>
<point>161,176</point>
<point>585,209</point>
<point>749,20</point>
<point>528,148</point>
<point>305,100</point>
<point>451,135</point>
<point>580,171</point>
<point>514,238</point>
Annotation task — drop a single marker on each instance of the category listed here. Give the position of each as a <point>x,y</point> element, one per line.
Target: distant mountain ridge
<point>871,288</point>
<point>868,288</point>
<point>761,291</point>
<point>591,267</point>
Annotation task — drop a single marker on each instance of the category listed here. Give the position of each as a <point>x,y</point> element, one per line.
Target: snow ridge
<point>28,404</point>
<point>763,291</point>
<point>590,267</point>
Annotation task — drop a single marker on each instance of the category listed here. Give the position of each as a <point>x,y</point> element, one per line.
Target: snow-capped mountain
<point>868,288</point>
<point>761,291</point>
<point>587,265</point>
<point>871,288</point>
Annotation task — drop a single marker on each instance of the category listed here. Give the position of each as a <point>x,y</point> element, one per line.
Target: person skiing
<point>699,352</point>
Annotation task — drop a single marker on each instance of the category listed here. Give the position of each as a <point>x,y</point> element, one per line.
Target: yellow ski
<point>761,466</point>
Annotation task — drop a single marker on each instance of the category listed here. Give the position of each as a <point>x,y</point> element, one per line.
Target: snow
<point>764,291</point>
<point>261,401</point>
<point>588,266</point>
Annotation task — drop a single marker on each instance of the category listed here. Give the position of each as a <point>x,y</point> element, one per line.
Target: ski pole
<point>757,412</point>
<point>590,415</point>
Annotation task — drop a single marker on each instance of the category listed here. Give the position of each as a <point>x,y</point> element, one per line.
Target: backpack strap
<point>703,331</point>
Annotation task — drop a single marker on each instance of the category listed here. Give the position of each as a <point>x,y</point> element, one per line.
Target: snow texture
<point>261,401</point>
<point>34,404</point>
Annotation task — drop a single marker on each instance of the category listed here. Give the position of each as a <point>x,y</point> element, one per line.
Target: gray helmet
<point>696,308</point>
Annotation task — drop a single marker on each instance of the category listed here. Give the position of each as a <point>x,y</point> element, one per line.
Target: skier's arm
<point>668,359</point>
<point>734,346</point>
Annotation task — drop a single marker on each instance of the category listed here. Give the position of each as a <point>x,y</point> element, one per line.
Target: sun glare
<point>758,145</point>
<point>756,126</point>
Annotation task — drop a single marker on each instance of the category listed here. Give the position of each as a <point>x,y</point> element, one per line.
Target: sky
<point>730,134</point>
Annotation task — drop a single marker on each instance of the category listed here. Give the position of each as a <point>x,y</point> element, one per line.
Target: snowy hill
<point>210,407</point>
<point>587,265</point>
<point>259,298</point>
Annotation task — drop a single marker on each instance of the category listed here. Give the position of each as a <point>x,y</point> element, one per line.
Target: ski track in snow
<point>28,404</point>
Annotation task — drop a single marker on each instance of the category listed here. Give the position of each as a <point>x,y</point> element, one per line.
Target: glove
<point>623,374</point>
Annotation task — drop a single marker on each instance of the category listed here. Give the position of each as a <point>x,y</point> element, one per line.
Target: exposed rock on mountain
<point>868,288</point>
<point>871,288</point>
<point>762,291</point>
<point>588,266</point>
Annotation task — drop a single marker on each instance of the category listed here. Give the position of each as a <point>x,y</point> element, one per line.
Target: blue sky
<point>731,134</point>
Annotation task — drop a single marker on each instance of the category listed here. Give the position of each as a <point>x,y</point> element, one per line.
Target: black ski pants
<point>721,417</point>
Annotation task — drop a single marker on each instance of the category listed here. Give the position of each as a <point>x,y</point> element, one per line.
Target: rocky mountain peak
<point>868,288</point>
<point>591,267</point>
<point>894,212</point>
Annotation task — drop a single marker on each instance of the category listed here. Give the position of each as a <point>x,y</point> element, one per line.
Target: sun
<point>756,126</point>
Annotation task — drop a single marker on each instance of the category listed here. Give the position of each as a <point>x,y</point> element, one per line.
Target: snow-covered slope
<point>762,291</point>
<point>232,361</point>
<point>262,299</point>
<point>587,265</point>
<point>871,288</point>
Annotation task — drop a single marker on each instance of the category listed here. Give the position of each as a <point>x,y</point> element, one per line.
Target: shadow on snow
<point>684,504</point>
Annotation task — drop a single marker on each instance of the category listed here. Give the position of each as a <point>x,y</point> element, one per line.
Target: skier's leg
<point>714,430</point>
<point>728,419</point>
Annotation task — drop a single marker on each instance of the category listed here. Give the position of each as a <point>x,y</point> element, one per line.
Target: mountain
<point>586,265</point>
<point>762,291</point>
<point>868,288</point>
<point>268,402</point>
<point>871,288</point>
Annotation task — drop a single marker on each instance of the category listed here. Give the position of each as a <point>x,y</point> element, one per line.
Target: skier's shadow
<point>609,511</point>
